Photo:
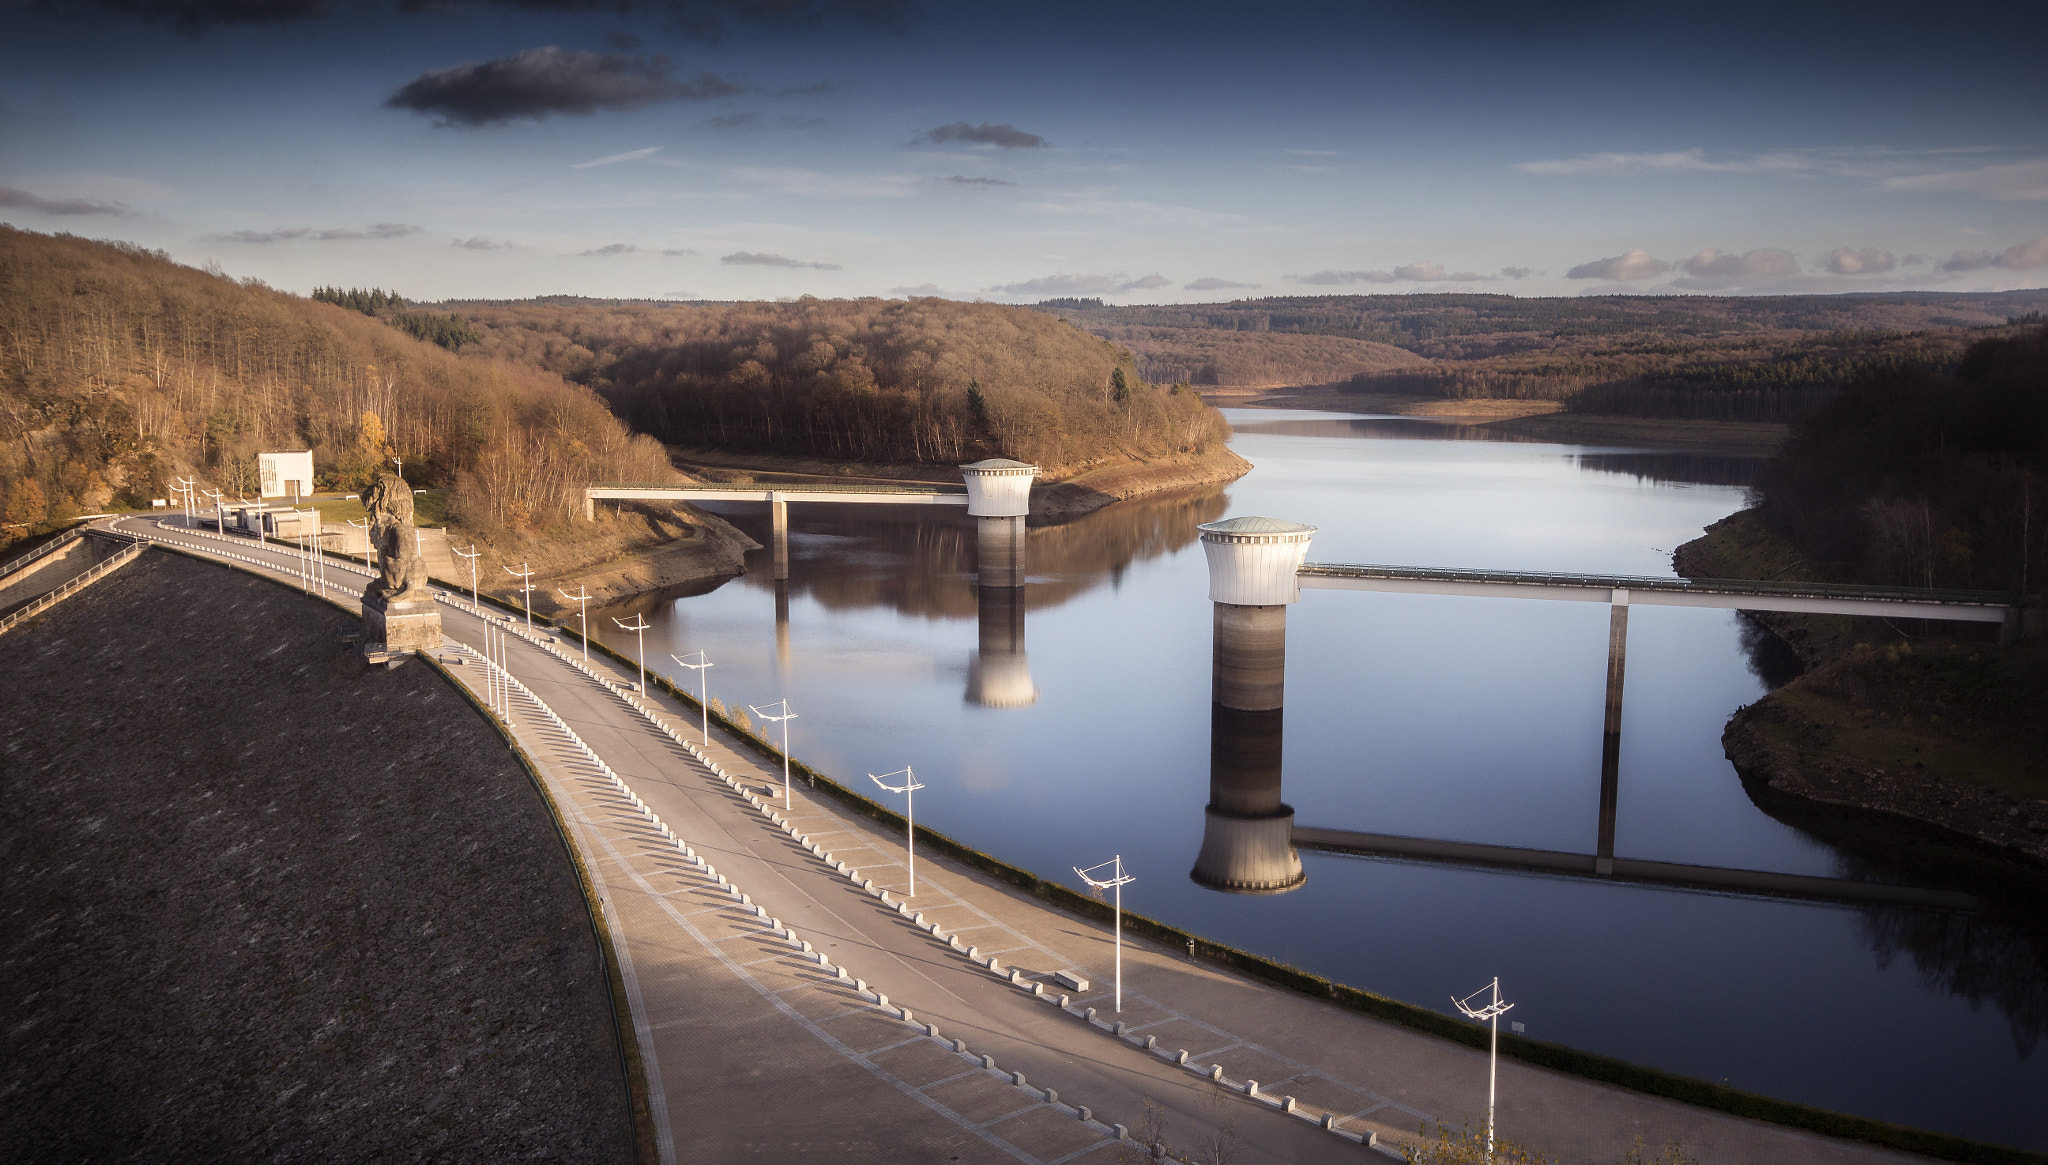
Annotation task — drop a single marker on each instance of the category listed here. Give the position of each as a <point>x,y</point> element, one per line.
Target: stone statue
<point>399,615</point>
<point>404,577</point>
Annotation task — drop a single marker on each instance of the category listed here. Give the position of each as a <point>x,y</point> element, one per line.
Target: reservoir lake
<point>1464,719</point>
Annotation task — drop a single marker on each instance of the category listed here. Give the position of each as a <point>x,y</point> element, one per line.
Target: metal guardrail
<point>778,487</point>
<point>1715,586</point>
<point>36,607</point>
<point>61,540</point>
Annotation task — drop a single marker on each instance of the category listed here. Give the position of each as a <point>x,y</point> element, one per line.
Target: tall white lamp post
<point>788,801</point>
<point>582,597</point>
<point>220,520</point>
<point>472,554</point>
<point>525,576</point>
<point>1487,1012</point>
<point>639,628</point>
<point>703,670</point>
<point>908,788</point>
<point>1114,879</point>
<point>364,526</point>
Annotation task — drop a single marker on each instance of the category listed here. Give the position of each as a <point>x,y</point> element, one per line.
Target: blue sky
<point>1141,152</point>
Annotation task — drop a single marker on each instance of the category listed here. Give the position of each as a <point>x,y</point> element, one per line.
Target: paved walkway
<point>770,985</point>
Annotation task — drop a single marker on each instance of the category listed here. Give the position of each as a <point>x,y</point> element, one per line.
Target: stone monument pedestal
<point>401,626</point>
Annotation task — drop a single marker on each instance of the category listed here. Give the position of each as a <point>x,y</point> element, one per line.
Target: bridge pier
<point>1247,835</point>
<point>1610,735</point>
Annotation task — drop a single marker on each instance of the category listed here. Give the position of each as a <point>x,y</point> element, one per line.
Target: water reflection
<point>1678,468</point>
<point>1247,831</point>
<point>998,671</point>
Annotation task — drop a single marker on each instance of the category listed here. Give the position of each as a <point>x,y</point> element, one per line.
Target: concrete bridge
<point>1257,569</point>
<point>996,492</point>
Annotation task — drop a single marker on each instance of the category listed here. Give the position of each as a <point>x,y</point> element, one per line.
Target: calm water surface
<point>1468,719</point>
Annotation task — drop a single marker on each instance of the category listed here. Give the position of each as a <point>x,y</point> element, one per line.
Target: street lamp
<point>788,802</point>
<point>1491,1012</point>
<point>185,485</point>
<point>364,526</point>
<point>526,577</point>
<point>908,788</point>
<point>704,692</point>
<point>220,520</point>
<point>1115,881</point>
<point>472,554</point>
<point>639,628</point>
<point>582,597</point>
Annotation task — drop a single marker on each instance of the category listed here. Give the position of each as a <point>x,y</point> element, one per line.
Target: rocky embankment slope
<point>1931,751</point>
<point>266,904</point>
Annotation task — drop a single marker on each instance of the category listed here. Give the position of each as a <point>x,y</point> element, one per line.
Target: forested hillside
<point>122,371</point>
<point>1925,479</point>
<point>927,380</point>
<point>1761,358</point>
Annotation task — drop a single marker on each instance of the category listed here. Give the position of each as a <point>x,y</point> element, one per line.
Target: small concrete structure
<point>285,473</point>
<point>1247,838</point>
<point>999,499</point>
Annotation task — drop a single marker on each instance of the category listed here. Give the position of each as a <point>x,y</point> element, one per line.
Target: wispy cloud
<point>1517,272</point>
<point>729,121</point>
<point>2027,256</point>
<point>962,180</point>
<point>382,230</point>
<point>615,159</point>
<point>1627,267</point>
<point>1311,153</point>
<point>613,249</point>
<point>542,82</point>
<point>1423,271</point>
<point>2012,182</point>
<point>13,199</point>
<point>1212,283</point>
<point>1064,284</point>
<point>1004,137</point>
<point>768,259</point>
<point>480,243</point>
<point>678,252</point>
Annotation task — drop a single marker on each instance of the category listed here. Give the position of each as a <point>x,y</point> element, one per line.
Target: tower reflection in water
<point>999,673</point>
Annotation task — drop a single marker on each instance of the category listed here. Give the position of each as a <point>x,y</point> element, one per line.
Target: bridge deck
<point>1727,594</point>
<point>934,495</point>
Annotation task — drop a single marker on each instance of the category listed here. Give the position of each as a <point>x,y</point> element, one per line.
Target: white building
<point>286,473</point>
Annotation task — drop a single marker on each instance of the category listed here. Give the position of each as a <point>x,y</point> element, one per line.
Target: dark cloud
<point>674,252</point>
<point>706,19</point>
<point>1422,271</point>
<point>614,249</point>
<point>2023,257</point>
<point>13,199</point>
<point>1517,272</point>
<point>1211,283</point>
<point>1623,268</point>
<point>1007,137</point>
<point>480,243</point>
<point>539,83</point>
<point>972,183</point>
<point>382,230</point>
<point>1064,284</point>
<point>764,259</point>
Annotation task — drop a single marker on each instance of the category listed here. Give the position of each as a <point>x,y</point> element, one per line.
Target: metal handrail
<point>45,602</point>
<point>754,487</point>
<point>1710,586</point>
<point>64,539</point>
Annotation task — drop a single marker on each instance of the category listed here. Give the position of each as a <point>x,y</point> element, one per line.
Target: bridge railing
<point>779,487</point>
<point>1714,586</point>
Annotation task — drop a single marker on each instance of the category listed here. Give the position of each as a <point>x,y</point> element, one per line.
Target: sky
<point>1140,152</point>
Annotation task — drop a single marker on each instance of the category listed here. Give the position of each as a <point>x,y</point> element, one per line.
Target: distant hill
<point>924,381</point>
<point>1750,358</point>
<point>124,371</point>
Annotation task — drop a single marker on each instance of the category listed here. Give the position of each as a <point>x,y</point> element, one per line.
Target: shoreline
<point>1837,752</point>
<point>1525,420</point>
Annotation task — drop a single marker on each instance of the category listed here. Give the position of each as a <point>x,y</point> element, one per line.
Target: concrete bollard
<point>1151,1043</point>
<point>1063,1003</point>
<point>1183,1058</point>
<point>1083,1113</point>
<point>1052,1096</point>
<point>931,1031</point>
<point>1288,1106</point>
<point>1216,1072</point>
<point>1119,1028</point>
<point>903,1013</point>
<point>919,919</point>
<point>973,952</point>
<point>882,1000</point>
<point>1251,1088</point>
<point>960,1045</point>
<point>1017,1078</point>
<point>1121,1133</point>
<point>1038,989</point>
<point>1329,1120</point>
<point>988,1062</point>
<point>1090,1015</point>
<point>842,975</point>
<point>903,908</point>
<point>860,984</point>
